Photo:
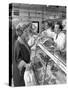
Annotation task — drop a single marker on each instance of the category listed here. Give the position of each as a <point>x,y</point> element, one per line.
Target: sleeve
<point>18,56</point>
<point>61,41</point>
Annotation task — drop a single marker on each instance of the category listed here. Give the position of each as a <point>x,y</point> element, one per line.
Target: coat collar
<point>24,43</point>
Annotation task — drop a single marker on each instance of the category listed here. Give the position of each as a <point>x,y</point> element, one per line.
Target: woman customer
<point>22,56</point>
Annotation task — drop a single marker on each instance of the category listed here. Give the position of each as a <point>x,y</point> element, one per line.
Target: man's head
<point>46,25</point>
<point>57,27</point>
<point>64,24</point>
<point>34,27</point>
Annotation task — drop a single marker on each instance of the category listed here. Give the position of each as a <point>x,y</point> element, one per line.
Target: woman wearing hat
<point>22,55</point>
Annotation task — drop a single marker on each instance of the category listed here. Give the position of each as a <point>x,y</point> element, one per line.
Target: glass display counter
<point>53,70</point>
<point>50,66</point>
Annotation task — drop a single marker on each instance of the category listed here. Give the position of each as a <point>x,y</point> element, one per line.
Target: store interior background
<point>41,13</point>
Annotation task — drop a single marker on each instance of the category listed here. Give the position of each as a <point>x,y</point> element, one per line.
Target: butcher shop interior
<point>38,44</point>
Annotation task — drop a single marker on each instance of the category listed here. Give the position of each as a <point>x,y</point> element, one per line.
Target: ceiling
<point>40,7</point>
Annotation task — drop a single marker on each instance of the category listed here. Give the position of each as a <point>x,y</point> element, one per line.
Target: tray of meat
<point>49,45</point>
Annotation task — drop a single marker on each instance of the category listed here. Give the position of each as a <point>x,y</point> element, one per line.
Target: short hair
<point>60,25</point>
<point>51,25</point>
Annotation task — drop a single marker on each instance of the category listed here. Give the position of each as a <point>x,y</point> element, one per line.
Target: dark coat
<point>21,53</point>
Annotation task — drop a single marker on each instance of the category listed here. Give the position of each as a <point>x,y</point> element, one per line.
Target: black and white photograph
<point>37,44</point>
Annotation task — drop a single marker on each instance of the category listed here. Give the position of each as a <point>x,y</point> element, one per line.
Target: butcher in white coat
<point>59,37</point>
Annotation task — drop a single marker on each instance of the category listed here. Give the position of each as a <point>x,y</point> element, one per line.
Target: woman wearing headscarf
<point>22,56</point>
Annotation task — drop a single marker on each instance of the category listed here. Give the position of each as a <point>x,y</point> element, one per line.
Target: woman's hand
<point>21,65</point>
